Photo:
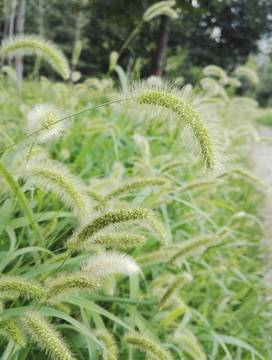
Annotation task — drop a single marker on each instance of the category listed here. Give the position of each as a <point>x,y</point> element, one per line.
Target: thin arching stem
<point>130,37</point>
<point>66,117</point>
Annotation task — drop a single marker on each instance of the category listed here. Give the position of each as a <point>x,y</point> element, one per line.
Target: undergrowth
<point>126,233</point>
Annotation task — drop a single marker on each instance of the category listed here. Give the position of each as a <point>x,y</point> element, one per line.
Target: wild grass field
<point>130,229</point>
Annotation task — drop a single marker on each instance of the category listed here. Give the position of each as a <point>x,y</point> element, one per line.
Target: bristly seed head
<point>43,116</point>
<point>86,233</point>
<point>23,44</point>
<point>111,263</point>
<point>45,335</point>
<point>142,343</point>
<point>190,115</point>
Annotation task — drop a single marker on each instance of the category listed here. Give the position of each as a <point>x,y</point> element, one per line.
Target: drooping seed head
<point>160,8</point>
<point>16,287</point>
<point>179,281</point>
<point>21,45</point>
<point>216,71</point>
<point>188,342</point>
<point>246,72</point>
<point>193,246</point>
<point>56,177</point>
<point>191,117</point>
<point>145,345</point>
<point>109,342</point>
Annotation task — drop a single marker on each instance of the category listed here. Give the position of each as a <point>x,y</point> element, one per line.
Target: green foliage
<point>184,276</point>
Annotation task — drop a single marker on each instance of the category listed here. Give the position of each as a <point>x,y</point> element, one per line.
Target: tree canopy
<point>207,32</point>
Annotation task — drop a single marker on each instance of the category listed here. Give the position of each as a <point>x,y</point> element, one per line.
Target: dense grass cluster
<point>113,236</point>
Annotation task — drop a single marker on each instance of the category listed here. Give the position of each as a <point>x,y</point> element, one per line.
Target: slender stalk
<point>23,202</point>
<point>130,37</point>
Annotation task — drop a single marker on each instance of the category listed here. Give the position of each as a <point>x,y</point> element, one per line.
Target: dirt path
<point>261,158</point>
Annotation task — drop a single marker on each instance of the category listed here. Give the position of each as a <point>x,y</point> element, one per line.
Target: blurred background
<point>226,33</point>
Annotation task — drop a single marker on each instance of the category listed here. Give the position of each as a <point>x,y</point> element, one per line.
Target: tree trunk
<point>20,25</point>
<point>157,63</point>
<point>36,70</point>
<point>11,23</point>
<point>6,17</point>
<point>40,19</point>
<point>79,22</point>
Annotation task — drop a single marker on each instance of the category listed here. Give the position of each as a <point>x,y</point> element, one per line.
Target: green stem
<point>130,37</point>
<point>23,202</point>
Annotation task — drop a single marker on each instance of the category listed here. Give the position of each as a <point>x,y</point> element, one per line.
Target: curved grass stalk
<point>60,120</point>
<point>199,184</point>
<point>157,256</point>
<point>244,71</point>
<point>94,195</point>
<point>217,71</point>
<point>158,228</point>
<point>187,112</point>
<point>247,175</point>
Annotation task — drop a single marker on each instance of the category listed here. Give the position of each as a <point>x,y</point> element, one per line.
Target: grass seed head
<point>45,335</point>
<point>21,45</point>
<point>152,350</point>
<point>190,114</point>
<point>11,330</point>
<point>42,118</point>
<point>111,263</point>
